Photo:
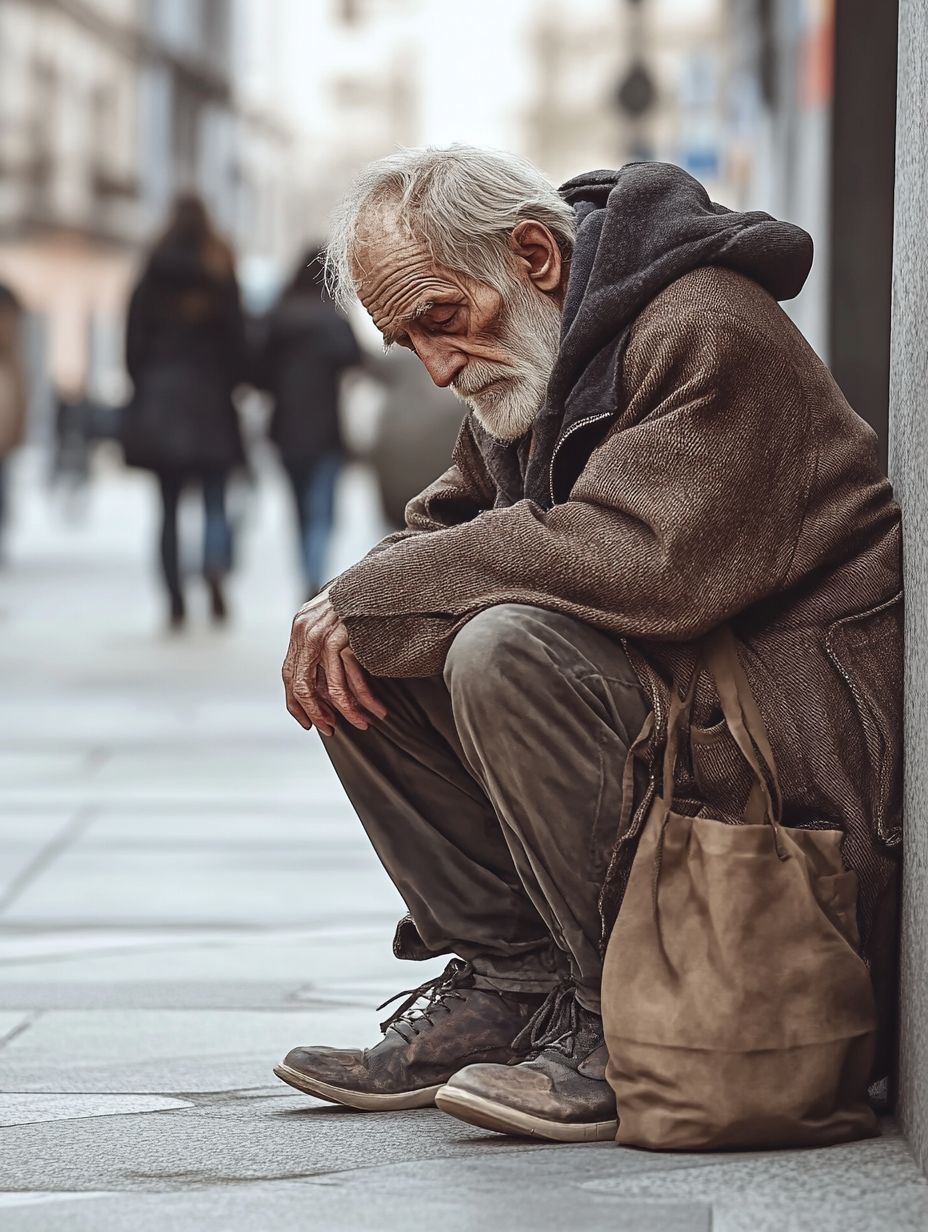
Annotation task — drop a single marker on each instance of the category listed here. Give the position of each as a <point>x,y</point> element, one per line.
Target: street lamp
<point>636,93</point>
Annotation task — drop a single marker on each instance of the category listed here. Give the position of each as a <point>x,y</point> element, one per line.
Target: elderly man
<point>652,450</point>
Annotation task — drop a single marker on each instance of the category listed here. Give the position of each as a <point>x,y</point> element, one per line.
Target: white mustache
<point>478,375</point>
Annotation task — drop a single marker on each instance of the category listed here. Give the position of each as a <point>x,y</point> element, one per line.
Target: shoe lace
<point>437,992</point>
<point>555,1024</point>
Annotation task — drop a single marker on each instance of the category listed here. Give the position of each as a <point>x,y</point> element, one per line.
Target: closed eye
<point>440,318</point>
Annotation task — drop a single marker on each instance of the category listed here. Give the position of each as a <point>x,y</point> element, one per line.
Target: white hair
<point>461,202</point>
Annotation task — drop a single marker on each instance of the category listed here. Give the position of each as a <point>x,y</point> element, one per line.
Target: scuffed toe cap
<point>503,1082</point>
<point>335,1065</point>
<point>542,1089</point>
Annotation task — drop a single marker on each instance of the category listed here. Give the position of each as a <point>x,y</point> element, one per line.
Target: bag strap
<point>680,708</point>
<point>628,774</point>
<point>719,655</point>
<point>744,719</point>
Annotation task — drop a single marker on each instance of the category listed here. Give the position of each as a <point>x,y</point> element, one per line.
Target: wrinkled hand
<point>322,677</point>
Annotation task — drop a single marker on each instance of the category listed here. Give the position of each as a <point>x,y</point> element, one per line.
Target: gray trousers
<point>492,793</point>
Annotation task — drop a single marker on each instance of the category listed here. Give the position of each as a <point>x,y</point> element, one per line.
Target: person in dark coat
<point>416,432</point>
<point>185,352</point>
<point>307,347</point>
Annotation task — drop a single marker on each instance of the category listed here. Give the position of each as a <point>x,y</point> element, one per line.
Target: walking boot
<point>217,600</point>
<point>442,1026</point>
<point>559,1092</point>
<point>178,610</point>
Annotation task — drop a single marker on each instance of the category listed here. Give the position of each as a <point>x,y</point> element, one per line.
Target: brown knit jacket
<point>737,485</point>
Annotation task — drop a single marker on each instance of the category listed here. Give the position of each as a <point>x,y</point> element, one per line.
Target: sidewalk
<point>185,895</point>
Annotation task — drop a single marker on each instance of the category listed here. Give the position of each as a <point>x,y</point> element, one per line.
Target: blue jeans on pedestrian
<point>314,493</point>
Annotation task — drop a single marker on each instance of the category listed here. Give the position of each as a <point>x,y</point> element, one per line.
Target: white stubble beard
<point>531,336</point>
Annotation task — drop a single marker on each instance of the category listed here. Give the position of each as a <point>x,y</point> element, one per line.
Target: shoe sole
<point>424,1097</point>
<point>487,1114</point>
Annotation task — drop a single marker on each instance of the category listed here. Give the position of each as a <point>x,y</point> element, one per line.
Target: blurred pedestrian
<point>185,352</point>
<point>12,386</point>
<point>416,433</point>
<point>307,346</point>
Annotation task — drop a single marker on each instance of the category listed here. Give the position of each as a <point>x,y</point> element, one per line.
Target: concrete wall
<point>908,468</point>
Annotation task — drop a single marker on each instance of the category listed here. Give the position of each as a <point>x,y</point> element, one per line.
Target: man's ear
<point>537,250</point>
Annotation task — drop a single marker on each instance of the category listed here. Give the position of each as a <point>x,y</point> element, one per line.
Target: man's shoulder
<point>716,339</point>
<point>717,321</point>
<point>714,292</point>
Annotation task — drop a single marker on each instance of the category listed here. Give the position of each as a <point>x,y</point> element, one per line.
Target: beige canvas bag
<point>737,1010</point>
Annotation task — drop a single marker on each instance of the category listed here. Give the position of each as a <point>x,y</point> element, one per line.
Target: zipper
<point>581,423</point>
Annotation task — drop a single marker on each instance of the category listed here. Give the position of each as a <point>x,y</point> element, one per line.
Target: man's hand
<point>322,677</point>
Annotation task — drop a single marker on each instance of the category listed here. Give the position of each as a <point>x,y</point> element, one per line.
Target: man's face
<point>495,351</point>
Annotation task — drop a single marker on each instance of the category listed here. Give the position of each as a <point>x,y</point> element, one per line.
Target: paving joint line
<point>31,1017</point>
<point>69,834</point>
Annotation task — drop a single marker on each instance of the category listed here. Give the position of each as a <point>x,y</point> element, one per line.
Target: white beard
<point>530,335</point>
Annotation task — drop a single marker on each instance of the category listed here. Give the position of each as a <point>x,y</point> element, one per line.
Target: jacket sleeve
<point>685,514</point>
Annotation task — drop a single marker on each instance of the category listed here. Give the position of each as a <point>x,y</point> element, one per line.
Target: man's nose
<point>442,361</point>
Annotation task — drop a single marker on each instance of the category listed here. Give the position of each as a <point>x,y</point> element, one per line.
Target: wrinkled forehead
<point>379,225</point>
<point>382,238</point>
<point>395,275</point>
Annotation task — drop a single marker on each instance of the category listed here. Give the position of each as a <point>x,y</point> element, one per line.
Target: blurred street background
<point>184,891</point>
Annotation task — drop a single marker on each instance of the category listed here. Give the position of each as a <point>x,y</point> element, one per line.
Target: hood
<point>639,230</point>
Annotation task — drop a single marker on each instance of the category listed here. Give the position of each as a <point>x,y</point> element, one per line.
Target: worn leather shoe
<point>560,1092</point>
<point>443,1025</point>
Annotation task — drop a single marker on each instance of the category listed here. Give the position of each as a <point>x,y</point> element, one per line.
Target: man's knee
<point>496,647</point>
<point>517,654</point>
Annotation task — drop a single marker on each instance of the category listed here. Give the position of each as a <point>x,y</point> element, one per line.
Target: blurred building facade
<point>812,139</point>
<point>537,77</point>
<point>107,109</point>
<point>782,105</point>
<point>778,141</point>
<point>620,80</point>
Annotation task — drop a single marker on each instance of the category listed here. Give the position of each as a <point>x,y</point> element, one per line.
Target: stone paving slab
<point>490,1182</point>
<point>33,1109</point>
<point>197,887</point>
<point>10,1021</point>
<point>185,995</point>
<point>96,1037</point>
<point>230,1137</point>
<point>315,960</point>
<point>313,1205</point>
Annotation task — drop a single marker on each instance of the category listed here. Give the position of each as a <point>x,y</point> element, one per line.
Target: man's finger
<point>317,713</point>
<point>358,683</point>
<point>296,710</point>
<point>340,692</point>
<point>293,706</point>
<point>322,692</point>
<point>311,699</point>
<point>321,714</point>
